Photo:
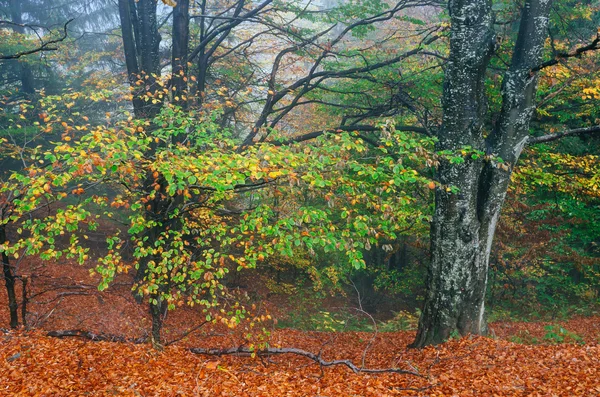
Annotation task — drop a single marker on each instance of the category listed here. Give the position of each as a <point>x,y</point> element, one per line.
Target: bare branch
<point>225,28</point>
<point>44,47</point>
<point>299,352</point>
<point>348,128</point>
<point>182,336</point>
<point>321,76</point>
<point>594,45</point>
<point>559,135</point>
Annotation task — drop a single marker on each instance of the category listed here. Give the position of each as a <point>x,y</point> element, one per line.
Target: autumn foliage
<point>233,198</point>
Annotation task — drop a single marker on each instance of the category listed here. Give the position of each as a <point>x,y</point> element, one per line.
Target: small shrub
<point>402,321</point>
<point>556,334</point>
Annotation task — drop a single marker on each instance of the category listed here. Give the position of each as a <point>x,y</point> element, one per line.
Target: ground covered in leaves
<point>33,364</point>
<point>520,359</point>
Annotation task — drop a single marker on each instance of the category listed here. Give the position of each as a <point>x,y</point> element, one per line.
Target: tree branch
<point>291,350</point>
<point>226,27</point>
<point>348,128</point>
<point>594,45</point>
<point>44,47</point>
<point>322,75</point>
<point>559,135</point>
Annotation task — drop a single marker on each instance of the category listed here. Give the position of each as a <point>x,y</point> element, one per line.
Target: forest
<point>300,198</point>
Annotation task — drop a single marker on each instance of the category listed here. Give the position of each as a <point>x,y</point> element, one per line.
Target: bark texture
<point>181,30</point>
<point>141,41</point>
<point>464,222</point>
<point>9,280</point>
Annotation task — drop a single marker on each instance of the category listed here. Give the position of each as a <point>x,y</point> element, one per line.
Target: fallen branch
<point>95,337</point>
<point>290,350</point>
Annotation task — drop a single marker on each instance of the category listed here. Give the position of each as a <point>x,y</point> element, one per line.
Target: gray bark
<point>464,223</point>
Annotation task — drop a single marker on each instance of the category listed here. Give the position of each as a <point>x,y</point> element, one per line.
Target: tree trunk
<point>24,300</point>
<point>9,280</point>
<point>464,222</point>
<point>157,312</point>
<point>130,50</point>
<point>202,59</point>
<point>181,29</point>
<point>141,42</point>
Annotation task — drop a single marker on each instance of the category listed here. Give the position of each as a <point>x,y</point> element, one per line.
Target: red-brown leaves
<point>33,364</point>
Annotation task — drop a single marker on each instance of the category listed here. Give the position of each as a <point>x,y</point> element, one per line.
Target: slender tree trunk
<point>24,301</point>
<point>181,29</point>
<point>141,43</point>
<point>202,60</point>
<point>130,49</point>
<point>464,222</point>
<point>9,280</point>
<point>157,312</point>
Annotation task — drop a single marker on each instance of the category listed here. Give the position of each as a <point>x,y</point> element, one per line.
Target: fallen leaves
<point>33,364</point>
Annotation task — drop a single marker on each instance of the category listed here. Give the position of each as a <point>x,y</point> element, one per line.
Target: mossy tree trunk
<point>465,221</point>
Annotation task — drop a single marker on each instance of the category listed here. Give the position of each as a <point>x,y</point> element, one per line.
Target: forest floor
<point>521,359</point>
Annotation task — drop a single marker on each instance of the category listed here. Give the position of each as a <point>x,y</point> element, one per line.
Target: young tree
<point>465,221</point>
<point>221,47</point>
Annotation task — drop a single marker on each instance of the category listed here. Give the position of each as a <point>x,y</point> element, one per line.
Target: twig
<point>360,309</point>
<point>186,333</point>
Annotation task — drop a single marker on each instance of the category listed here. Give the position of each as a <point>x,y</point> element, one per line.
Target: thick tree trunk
<point>9,280</point>
<point>464,222</point>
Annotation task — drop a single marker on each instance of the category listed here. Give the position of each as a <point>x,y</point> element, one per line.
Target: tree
<point>465,221</point>
<point>220,49</point>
